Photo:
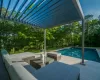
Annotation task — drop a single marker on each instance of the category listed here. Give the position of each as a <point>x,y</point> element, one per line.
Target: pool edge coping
<point>98,51</point>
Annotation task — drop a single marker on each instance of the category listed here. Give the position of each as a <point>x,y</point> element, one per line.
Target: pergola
<point>44,14</point>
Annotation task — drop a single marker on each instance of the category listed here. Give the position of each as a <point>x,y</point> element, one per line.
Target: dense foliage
<point>21,37</point>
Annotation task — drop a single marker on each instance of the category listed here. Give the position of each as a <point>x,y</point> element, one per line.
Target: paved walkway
<point>91,71</point>
<point>3,72</point>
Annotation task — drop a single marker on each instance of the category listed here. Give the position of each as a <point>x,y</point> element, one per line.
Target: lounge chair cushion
<point>30,69</point>
<point>20,73</point>
<point>58,71</point>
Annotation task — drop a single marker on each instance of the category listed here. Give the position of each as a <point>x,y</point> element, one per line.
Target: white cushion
<point>20,73</point>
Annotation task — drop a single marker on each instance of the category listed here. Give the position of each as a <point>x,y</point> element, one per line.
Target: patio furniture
<point>16,60</point>
<point>52,71</point>
<point>18,72</point>
<point>28,59</point>
<point>56,56</point>
<point>38,63</point>
<point>58,71</point>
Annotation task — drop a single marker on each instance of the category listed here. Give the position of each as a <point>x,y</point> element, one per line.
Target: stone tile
<point>91,71</point>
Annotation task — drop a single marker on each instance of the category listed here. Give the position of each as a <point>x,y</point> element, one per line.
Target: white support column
<point>45,55</point>
<point>83,31</point>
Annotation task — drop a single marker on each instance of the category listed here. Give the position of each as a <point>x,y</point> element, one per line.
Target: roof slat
<point>30,3</point>
<point>32,9</point>
<point>7,8</point>
<point>44,19</point>
<point>50,5</point>
<point>13,9</point>
<point>49,11</point>
<point>20,8</point>
<point>38,8</point>
<point>1,4</point>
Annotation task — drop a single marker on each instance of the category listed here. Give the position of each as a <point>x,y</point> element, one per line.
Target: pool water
<point>89,54</point>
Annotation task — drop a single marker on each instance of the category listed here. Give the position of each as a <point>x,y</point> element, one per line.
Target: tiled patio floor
<point>91,71</point>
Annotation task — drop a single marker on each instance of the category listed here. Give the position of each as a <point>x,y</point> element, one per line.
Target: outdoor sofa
<point>55,55</point>
<point>20,70</point>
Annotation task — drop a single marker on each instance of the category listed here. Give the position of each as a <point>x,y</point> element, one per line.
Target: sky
<point>5,3</point>
<point>88,6</point>
<point>91,7</point>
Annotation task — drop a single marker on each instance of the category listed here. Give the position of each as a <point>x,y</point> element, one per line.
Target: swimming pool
<point>89,54</point>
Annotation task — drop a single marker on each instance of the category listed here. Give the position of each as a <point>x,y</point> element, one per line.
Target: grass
<point>21,51</point>
<point>37,50</point>
<point>34,51</point>
<point>51,49</point>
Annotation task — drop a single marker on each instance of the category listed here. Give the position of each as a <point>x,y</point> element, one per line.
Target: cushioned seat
<point>20,73</point>
<point>19,70</point>
<point>58,71</point>
<point>56,56</point>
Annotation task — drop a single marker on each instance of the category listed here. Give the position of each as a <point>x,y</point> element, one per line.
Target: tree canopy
<point>23,37</point>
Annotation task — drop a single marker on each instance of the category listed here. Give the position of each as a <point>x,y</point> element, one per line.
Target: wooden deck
<point>3,73</point>
<point>91,71</point>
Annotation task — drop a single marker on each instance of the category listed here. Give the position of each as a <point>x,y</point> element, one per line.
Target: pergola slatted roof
<point>13,9</point>
<point>42,13</point>
<point>47,8</point>
<point>24,2</point>
<point>1,3</point>
<point>7,8</point>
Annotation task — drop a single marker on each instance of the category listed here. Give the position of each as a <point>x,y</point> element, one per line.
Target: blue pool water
<point>89,54</point>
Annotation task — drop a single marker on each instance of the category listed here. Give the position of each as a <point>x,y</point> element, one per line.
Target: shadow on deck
<point>3,72</point>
